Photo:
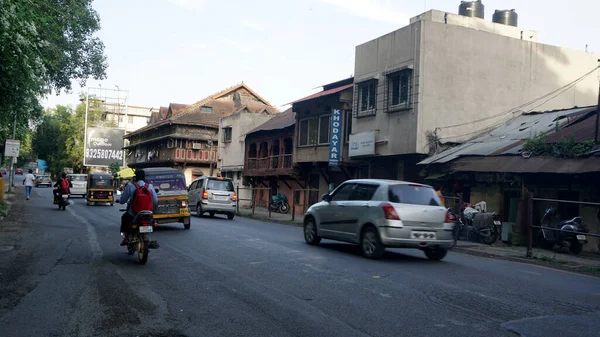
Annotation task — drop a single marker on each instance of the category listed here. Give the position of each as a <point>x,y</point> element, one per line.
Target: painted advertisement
<point>335,137</point>
<point>103,147</point>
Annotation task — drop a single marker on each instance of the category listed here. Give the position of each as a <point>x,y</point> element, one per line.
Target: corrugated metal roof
<point>324,93</point>
<point>508,138</point>
<point>280,121</point>
<point>519,164</point>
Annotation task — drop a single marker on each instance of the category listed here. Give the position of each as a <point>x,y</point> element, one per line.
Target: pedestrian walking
<point>28,182</point>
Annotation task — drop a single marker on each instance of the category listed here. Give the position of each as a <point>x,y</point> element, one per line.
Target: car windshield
<point>413,194</point>
<point>78,178</point>
<point>219,185</point>
<point>167,182</point>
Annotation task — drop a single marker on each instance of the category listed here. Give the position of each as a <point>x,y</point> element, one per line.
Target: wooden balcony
<point>269,166</point>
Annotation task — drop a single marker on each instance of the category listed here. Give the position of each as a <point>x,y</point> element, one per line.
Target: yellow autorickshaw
<point>172,195</point>
<point>100,188</point>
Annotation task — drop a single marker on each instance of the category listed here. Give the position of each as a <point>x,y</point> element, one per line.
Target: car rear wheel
<point>230,216</point>
<point>199,211</point>
<point>435,254</point>
<point>211,214</point>
<point>310,232</point>
<point>370,244</point>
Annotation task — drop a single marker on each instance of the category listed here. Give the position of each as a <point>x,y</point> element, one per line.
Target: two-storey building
<point>232,138</point>
<point>444,78</point>
<point>323,126</point>
<point>187,138</point>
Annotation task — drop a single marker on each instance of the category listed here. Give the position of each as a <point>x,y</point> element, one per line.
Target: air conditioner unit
<point>197,146</point>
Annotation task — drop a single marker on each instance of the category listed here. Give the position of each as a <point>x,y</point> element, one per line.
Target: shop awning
<point>126,173</point>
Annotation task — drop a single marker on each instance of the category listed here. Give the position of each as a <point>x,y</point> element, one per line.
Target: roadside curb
<point>554,265</point>
<point>272,220</point>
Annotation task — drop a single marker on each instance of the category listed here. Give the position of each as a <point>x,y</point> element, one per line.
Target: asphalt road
<point>64,274</point>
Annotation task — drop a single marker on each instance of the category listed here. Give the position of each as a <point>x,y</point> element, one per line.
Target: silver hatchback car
<point>213,195</point>
<point>377,214</point>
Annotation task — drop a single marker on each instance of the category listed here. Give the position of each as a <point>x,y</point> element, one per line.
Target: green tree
<point>41,50</point>
<point>115,167</point>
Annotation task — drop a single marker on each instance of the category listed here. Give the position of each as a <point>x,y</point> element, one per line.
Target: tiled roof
<point>221,106</point>
<point>280,121</point>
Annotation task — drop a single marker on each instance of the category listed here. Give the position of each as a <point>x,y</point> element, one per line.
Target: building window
<point>120,118</point>
<point>324,129</point>
<point>399,85</point>
<point>314,131</point>
<point>227,135</point>
<point>130,119</point>
<point>206,109</point>
<point>367,93</point>
<point>348,126</point>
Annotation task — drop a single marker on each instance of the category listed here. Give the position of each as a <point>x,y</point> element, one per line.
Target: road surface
<point>63,273</point>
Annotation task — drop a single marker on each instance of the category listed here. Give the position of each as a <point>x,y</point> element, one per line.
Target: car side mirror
<point>326,197</point>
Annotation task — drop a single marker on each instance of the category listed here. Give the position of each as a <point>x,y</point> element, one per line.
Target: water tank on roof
<point>474,9</point>
<point>506,17</point>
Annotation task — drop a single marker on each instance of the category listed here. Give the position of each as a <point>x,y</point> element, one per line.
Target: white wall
<point>231,154</point>
<point>465,70</point>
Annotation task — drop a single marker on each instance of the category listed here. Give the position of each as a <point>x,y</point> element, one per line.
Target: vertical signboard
<point>335,137</point>
<point>103,146</point>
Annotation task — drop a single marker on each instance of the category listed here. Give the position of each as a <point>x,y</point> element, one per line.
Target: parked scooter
<point>279,203</point>
<point>484,227</point>
<point>568,234</point>
<point>139,239</point>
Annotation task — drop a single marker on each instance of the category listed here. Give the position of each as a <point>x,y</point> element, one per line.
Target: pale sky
<point>180,51</point>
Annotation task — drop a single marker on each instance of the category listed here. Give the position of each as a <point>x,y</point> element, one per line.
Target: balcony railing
<point>283,161</point>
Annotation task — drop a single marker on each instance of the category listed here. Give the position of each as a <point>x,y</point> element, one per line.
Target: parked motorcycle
<point>566,234</point>
<point>139,239</point>
<point>477,226</point>
<point>279,203</point>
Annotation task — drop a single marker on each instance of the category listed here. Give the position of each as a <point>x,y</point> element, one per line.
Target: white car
<point>79,182</point>
<point>382,213</point>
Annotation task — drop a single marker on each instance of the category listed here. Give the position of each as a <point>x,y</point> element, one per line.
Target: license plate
<point>581,237</point>
<point>146,229</point>
<point>422,235</point>
<point>220,197</point>
<point>497,223</point>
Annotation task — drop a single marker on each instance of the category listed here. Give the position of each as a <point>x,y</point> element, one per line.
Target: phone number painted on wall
<point>103,154</point>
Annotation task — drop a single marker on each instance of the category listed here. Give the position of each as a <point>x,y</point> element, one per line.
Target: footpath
<point>587,263</point>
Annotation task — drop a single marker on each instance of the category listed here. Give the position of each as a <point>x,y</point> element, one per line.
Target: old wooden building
<point>187,136</point>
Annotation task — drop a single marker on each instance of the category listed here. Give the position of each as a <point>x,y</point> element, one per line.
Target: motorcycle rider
<point>60,187</point>
<point>126,197</point>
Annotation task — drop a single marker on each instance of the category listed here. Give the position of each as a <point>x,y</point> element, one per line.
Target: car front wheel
<point>310,232</point>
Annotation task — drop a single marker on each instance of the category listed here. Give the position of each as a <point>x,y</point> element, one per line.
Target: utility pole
<point>597,107</point>
<point>13,159</point>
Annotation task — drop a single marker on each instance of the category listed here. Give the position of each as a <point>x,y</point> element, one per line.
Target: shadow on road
<point>389,256</point>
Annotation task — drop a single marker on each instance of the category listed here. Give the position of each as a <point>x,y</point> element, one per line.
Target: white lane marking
<point>91,234</point>
<point>531,272</point>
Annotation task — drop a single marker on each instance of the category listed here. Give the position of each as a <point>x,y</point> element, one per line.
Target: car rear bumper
<point>400,237</point>
<point>208,206</point>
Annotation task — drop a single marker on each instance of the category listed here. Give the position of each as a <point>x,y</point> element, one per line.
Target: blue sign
<point>335,137</point>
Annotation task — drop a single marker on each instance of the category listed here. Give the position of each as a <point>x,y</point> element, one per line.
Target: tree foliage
<point>44,45</point>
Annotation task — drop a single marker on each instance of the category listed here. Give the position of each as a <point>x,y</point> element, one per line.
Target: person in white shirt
<point>28,182</point>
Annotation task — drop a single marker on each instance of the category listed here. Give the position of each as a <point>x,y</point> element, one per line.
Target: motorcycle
<point>476,226</point>
<point>279,203</point>
<point>139,238</point>
<point>567,234</point>
<point>62,202</point>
